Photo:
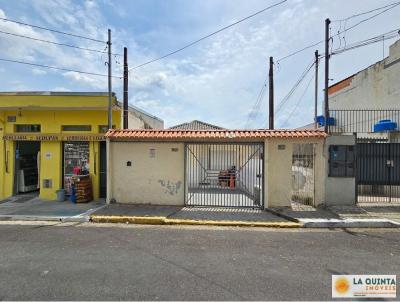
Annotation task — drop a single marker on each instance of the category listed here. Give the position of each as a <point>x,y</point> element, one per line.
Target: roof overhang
<point>169,135</point>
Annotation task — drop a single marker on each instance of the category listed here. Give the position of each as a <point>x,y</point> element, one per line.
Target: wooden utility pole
<point>125,119</point>
<point>271,93</point>
<point>316,91</point>
<point>326,105</point>
<point>109,81</point>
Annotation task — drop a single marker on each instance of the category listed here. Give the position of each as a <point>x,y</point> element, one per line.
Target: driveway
<point>30,207</point>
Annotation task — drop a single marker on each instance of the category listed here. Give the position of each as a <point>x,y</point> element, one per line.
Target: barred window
<point>27,128</point>
<point>76,128</point>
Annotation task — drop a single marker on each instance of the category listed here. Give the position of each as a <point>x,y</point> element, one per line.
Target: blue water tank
<point>321,120</point>
<point>385,125</point>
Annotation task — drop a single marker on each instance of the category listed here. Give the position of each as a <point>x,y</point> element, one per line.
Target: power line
<point>366,12</point>
<point>256,107</point>
<point>56,43</point>
<point>340,32</point>
<point>53,30</point>
<point>207,36</point>
<point>386,36</point>
<point>295,86</point>
<point>58,68</point>
<point>367,19</point>
<point>298,102</point>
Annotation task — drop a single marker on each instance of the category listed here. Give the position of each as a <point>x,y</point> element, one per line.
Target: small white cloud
<point>61,89</point>
<point>39,72</point>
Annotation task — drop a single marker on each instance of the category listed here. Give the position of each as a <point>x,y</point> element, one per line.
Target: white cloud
<point>39,71</point>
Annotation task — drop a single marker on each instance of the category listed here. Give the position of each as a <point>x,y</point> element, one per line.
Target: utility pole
<point>271,93</point>
<point>327,22</point>
<point>316,91</point>
<point>125,119</point>
<point>109,81</point>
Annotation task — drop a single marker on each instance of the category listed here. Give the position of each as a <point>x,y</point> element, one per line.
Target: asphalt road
<point>86,262</point>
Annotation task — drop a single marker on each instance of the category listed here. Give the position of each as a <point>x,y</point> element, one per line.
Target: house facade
<point>365,109</point>
<point>46,137</point>
<point>216,168</point>
<point>360,101</point>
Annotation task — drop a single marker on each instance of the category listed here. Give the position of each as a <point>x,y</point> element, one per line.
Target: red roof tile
<point>230,135</point>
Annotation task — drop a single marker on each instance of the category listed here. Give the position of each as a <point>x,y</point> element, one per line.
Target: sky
<point>217,80</point>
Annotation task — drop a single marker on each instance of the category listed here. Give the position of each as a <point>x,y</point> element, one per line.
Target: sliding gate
<point>224,175</point>
<point>378,173</point>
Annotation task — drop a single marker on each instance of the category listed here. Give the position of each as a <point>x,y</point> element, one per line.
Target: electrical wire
<point>386,36</point>
<point>207,36</point>
<point>366,12</point>
<point>295,86</point>
<point>340,32</point>
<point>57,43</point>
<point>58,68</point>
<point>256,107</point>
<point>53,30</point>
<point>296,106</point>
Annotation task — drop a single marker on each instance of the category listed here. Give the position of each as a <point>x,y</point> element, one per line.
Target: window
<point>27,128</point>
<point>341,161</point>
<point>76,128</point>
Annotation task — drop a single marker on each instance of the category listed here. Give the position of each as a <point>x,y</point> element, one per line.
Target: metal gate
<point>378,173</point>
<point>224,175</point>
<point>303,174</point>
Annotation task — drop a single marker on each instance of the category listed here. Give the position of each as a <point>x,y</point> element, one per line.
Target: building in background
<point>46,137</point>
<point>358,103</point>
<point>196,125</point>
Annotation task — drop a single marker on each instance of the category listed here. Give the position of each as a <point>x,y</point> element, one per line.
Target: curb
<point>171,221</point>
<point>349,223</point>
<point>287,217</point>
<point>44,218</point>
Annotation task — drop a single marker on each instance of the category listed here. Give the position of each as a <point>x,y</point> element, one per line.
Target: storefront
<point>68,155</point>
<point>46,137</point>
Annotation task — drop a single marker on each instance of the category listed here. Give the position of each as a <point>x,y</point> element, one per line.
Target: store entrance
<point>27,167</point>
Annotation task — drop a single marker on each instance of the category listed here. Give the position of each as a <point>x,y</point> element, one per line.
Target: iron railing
<point>360,121</point>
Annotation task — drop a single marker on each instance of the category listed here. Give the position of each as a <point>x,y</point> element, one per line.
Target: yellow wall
<point>51,122</point>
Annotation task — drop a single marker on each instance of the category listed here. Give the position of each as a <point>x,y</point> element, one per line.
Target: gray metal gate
<point>378,173</point>
<point>224,174</point>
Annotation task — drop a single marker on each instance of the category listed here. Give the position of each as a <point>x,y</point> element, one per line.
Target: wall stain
<point>171,187</point>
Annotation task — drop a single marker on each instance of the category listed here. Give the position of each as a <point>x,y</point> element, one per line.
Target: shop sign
<point>53,137</point>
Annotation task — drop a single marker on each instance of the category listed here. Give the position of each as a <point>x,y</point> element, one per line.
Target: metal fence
<point>360,121</point>
<point>303,164</point>
<point>378,173</point>
<point>224,175</point>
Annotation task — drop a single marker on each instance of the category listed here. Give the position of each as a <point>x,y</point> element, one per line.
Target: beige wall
<point>339,190</point>
<point>375,87</point>
<point>278,170</point>
<point>155,180</point>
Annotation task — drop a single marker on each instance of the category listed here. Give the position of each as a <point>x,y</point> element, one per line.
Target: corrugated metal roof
<point>174,135</point>
<point>196,125</point>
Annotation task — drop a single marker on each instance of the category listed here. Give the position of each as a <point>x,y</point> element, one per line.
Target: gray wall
<point>339,190</point>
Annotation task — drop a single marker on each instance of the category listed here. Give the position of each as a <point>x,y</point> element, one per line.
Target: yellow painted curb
<point>128,219</point>
<point>163,220</point>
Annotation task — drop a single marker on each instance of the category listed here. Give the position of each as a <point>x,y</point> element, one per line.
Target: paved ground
<point>28,205</point>
<point>127,262</point>
<point>195,213</point>
<point>359,211</point>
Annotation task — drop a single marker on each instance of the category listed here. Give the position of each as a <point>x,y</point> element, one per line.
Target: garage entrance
<point>224,175</point>
<point>378,173</point>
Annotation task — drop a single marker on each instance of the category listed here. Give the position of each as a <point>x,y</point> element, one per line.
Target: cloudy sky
<point>217,80</point>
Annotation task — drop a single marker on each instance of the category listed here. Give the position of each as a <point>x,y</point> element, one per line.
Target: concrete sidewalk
<point>145,214</point>
<point>30,207</point>
<point>361,215</point>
